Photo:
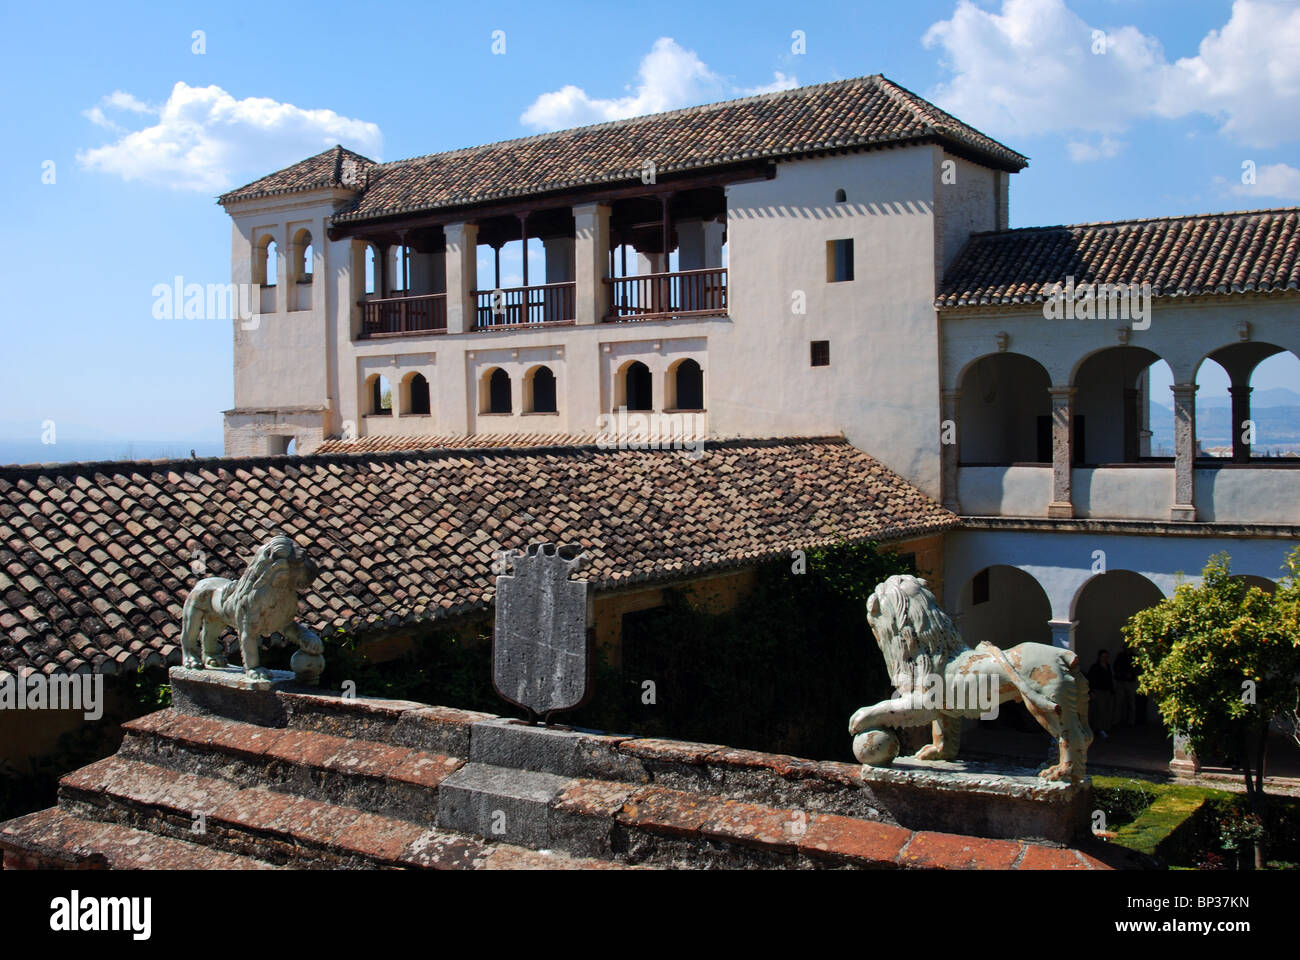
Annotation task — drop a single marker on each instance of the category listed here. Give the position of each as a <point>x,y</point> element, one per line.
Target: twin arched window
<point>539,391</point>
<point>684,386</point>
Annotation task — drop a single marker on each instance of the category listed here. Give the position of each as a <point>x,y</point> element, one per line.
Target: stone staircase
<point>327,782</point>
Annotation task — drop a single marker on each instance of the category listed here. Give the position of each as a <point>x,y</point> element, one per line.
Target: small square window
<point>839,261</point>
<point>821,353</point>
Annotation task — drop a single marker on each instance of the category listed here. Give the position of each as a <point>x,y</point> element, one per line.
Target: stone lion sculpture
<point>261,602</point>
<point>940,680</point>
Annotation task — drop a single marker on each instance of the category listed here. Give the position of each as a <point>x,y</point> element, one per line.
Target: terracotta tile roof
<point>1255,251</point>
<point>861,112</point>
<point>480,441</point>
<point>329,168</point>
<point>95,558</point>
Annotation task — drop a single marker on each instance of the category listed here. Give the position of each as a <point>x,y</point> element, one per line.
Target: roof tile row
<point>96,559</point>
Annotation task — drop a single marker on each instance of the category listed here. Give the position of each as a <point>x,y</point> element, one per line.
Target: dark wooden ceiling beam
<point>373,230</point>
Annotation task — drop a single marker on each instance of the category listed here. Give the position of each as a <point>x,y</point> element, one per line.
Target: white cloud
<point>121,100</point>
<point>1030,69</point>
<point>117,100</point>
<point>669,76</point>
<point>1274,180</point>
<point>1083,152</point>
<point>205,139</point>
<point>1247,74</point>
<point>779,82</point>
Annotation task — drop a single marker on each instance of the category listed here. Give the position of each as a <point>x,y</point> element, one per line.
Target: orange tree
<point>1221,661</point>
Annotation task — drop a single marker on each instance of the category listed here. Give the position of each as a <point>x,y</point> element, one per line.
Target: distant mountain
<point>1277,426</point>
<point>1272,397</point>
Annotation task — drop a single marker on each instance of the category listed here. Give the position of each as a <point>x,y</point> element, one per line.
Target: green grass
<point>1181,824</point>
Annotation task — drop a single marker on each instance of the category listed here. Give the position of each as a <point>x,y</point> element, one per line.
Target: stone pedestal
<point>227,692</point>
<point>982,798</point>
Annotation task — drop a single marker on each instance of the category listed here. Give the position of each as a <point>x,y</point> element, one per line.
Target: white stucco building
<point>839,261</point>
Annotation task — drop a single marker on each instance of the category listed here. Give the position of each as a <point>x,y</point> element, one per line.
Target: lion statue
<point>261,602</point>
<point>939,680</point>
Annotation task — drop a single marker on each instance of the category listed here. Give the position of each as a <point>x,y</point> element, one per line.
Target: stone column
<point>1185,762</point>
<point>1062,505</point>
<point>462,275</point>
<point>1184,507</point>
<point>949,453</point>
<point>283,281</point>
<point>590,261</point>
<point>1240,393</point>
<point>1063,633</point>
<point>1132,440</point>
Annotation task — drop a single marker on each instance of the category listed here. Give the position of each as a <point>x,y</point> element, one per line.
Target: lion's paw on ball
<point>876,748</point>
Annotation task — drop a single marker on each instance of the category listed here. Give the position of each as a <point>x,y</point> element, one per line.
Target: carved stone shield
<point>540,655</point>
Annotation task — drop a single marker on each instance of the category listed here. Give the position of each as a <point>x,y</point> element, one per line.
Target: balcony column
<point>462,275</point>
<point>647,263</point>
<point>1240,393</point>
<point>1063,633</point>
<point>1062,505</point>
<point>1184,507</point>
<point>559,269</point>
<point>523,236</point>
<point>949,452</point>
<point>590,243</point>
<point>662,299</point>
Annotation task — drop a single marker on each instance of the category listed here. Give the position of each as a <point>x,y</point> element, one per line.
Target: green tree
<point>1222,660</point>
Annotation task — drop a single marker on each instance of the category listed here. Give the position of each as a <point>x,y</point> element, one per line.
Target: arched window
<point>841,196</point>
<point>264,262</point>
<point>689,386</point>
<point>381,395</point>
<point>541,391</point>
<point>302,256</point>
<point>372,276</point>
<point>499,392</point>
<point>418,399</point>
<point>637,387</point>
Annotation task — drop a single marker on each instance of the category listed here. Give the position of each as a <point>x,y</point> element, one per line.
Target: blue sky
<point>144,132</point>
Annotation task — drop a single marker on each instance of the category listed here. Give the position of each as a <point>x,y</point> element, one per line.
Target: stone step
<point>622,821</point>
<point>56,839</point>
<point>380,778</point>
<point>500,802</point>
<point>255,823</point>
<point>685,829</point>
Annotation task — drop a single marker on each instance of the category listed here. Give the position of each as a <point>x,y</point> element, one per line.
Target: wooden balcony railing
<point>658,295</point>
<point>520,306</point>
<point>395,316</point>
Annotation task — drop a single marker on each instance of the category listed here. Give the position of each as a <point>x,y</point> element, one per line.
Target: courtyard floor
<point>1143,750</point>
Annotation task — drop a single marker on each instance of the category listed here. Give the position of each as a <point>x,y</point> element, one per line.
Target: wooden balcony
<point>657,296</point>
<point>525,306</point>
<point>404,316</point>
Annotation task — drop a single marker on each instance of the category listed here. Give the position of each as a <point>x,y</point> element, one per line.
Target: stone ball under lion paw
<point>307,667</point>
<point>876,748</point>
